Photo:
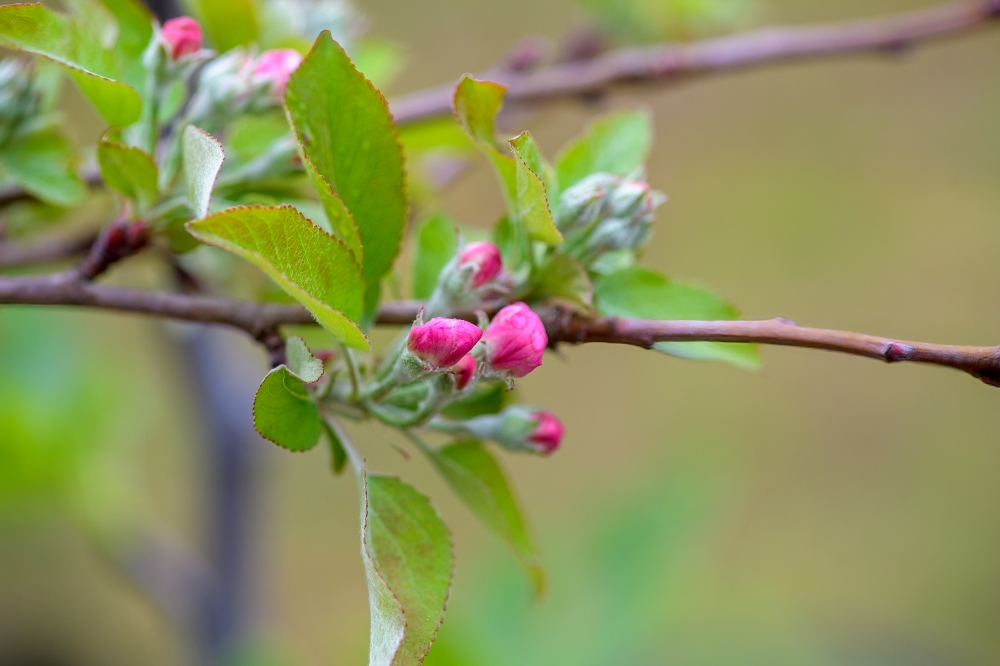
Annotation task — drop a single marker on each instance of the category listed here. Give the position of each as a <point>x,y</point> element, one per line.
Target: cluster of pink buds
<point>473,276</point>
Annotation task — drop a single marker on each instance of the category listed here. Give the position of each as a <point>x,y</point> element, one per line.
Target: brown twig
<point>261,320</point>
<point>660,63</point>
<point>667,62</point>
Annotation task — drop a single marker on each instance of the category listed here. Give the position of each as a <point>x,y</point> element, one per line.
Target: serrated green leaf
<point>618,143</point>
<point>645,294</point>
<point>531,202</point>
<point>129,170</point>
<point>341,222</point>
<point>408,563</point>
<point>37,29</point>
<point>563,278</point>
<point>229,23</point>
<point>338,455</point>
<point>203,157</point>
<point>301,362</point>
<point>528,150</point>
<point>308,263</point>
<point>42,163</point>
<point>476,104</point>
<point>284,413</point>
<point>437,242</point>
<point>345,129</point>
<point>478,480</point>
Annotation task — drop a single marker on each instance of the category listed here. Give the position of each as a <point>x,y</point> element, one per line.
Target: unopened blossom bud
<point>277,66</point>
<point>581,203</point>
<point>519,428</point>
<point>181,36</point>
<point>515,341</point>
<point>464,371</point>
<point>485,259</point>
<point>442,342</point>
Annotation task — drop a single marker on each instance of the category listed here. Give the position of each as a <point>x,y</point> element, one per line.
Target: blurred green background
<point>826,510</point>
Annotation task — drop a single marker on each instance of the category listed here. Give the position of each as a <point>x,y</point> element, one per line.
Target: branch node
<point>896,352</point>
<point>116,241</point>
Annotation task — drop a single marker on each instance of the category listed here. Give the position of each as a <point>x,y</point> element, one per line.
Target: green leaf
<point>129,170</point>
<point>308,263</point>
<point>645,294</point>
<point>486,398</point>
<point>42,163</point>
<point>345,129</point>
<point>36,29</point>
<point>301,362</point>
<point>341,222</point>
<point>135,31</point>
<point>563,278</point>
<point>249,136</point>
<point>408,563</point>
<point>531,203</point>
<point>338,455</point>
<point>437,242</point>
<point>478,480</point>
<point>476,104</point>
<point>203,159</point>
<point>618,143</point>
<point>229,23</point>
<point>284,413</point>
<point>527,149</point>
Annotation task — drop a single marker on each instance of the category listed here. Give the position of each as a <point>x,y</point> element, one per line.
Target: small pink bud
<point>548,434</point>
<point>277,66</point>
<point>182,36</point>
<point>515,340</point>
<point>464,370</point>
<point>486,257</point>
<point>443,342</point>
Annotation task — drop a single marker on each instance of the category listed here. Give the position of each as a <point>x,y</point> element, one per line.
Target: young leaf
<point>476,104</point>
<point>437,242</point>
<point>129,170</point>
<point>531,203</point>
<point>229,23</point>
<point>301,362</point>
<point>617,143</point>
<point>203,159</point>
<point>345,129</point>
<point>135,30</point>
<point>37,29</point>
<point>338,455</point>
<point>479,481</point>
<point>339,219</point>
<point>645,294</point>
<point>563,278</point>
<point>311,265</point>
<point>408,563</point>
<point>41,162</point>
<point>284,413</point>
<point>486,398</point>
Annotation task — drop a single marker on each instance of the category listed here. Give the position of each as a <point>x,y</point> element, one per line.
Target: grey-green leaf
<point>344,127</point>
<point>129,170</point>
<point>645,294</point>
<point>284,413</point>
<point>203,159</point>
<point>437,242</point>
<point>479,481</point>
<point>408,561</point>
<point>301,362</point>
<point>36,29</point>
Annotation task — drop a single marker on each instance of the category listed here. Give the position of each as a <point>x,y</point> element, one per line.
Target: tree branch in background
<point>667,62</point>
<point>261,319</point>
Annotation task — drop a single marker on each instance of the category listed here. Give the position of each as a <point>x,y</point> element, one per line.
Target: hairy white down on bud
<point>604,213</point>
<point>226,89</point>
<point>455,291</point>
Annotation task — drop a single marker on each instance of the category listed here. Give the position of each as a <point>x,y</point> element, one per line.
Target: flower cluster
<point>604,214</point>
<point>473,276</point>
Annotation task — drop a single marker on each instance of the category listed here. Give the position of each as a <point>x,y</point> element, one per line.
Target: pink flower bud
<point>548,433</point>
<point>464,370</point>
<point>277,66</point>
<point>182,36</point>
<point>485,257</point>
<point>443,342</point>
<point>515,340</point>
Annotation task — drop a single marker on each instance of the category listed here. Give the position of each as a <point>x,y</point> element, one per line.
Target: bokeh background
<point>826,510</point>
